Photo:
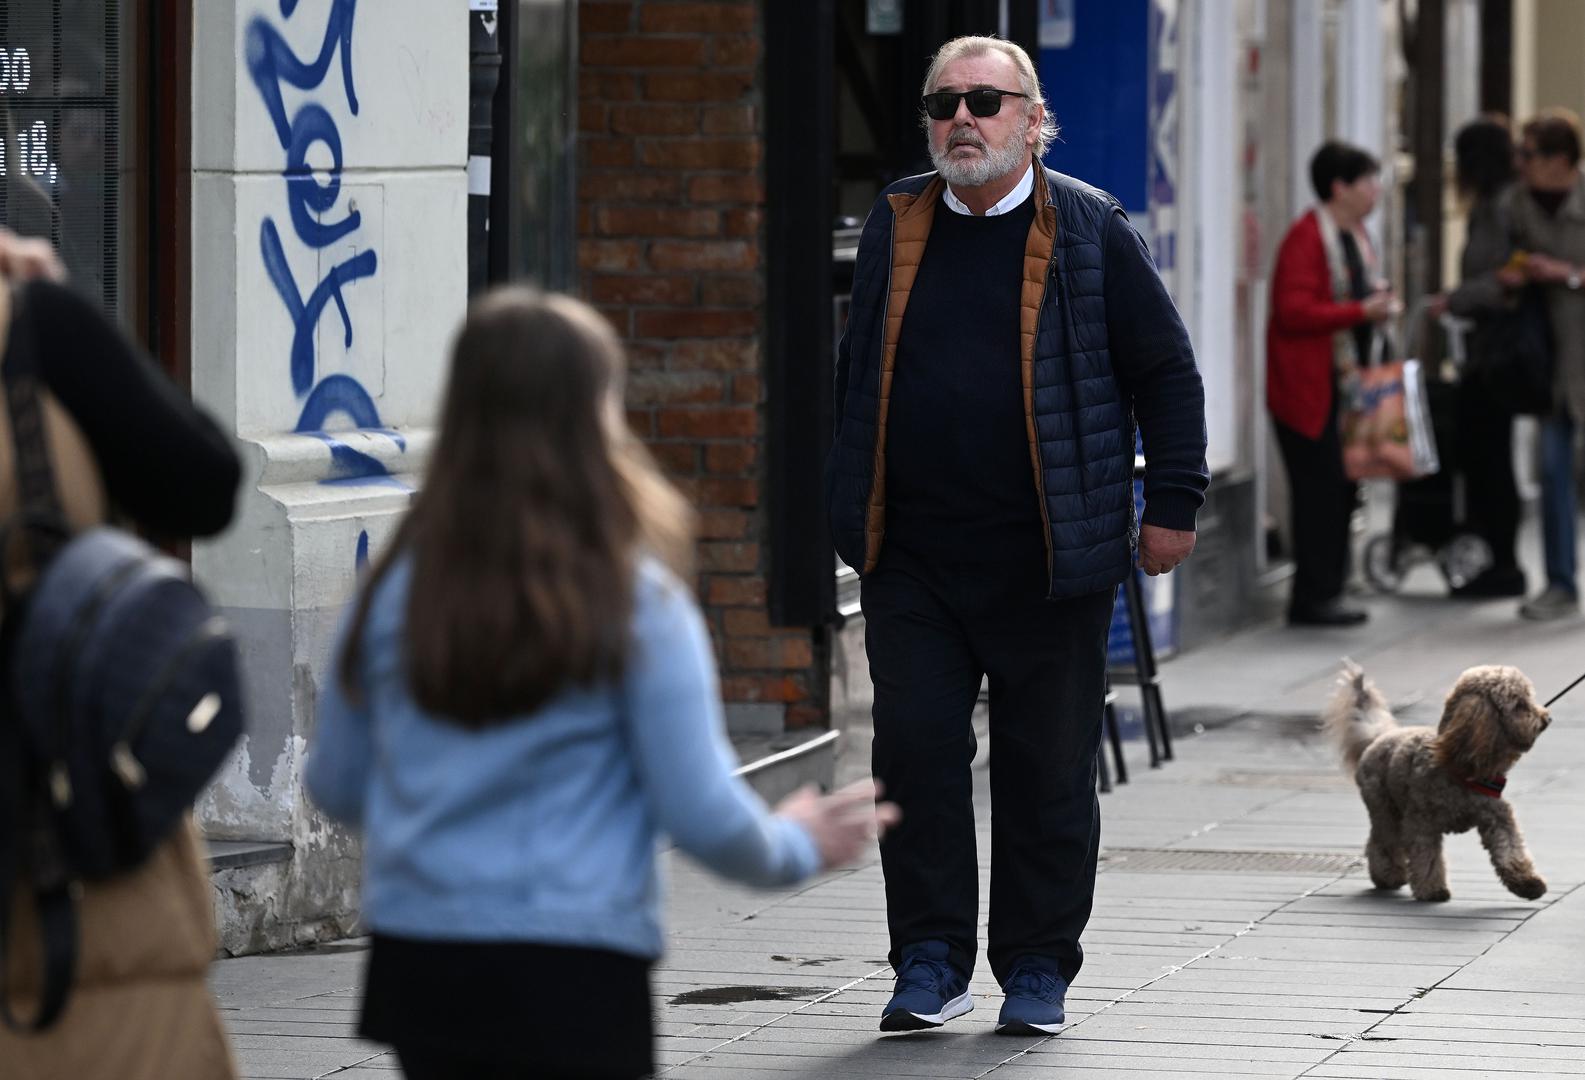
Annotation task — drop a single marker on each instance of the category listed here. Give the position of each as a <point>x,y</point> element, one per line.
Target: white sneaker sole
<point>903,1020</point>
<point>1020,1027</point>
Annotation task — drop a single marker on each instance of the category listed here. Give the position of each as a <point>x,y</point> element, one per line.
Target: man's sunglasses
<point>983,102</point>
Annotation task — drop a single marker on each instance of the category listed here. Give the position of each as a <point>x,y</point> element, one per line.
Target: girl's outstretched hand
<point>842,823</point>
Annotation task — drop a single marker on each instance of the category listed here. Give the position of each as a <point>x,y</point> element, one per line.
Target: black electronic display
<point>60,133</point>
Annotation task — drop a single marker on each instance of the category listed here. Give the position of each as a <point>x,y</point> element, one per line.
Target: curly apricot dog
<point>1419,783</point>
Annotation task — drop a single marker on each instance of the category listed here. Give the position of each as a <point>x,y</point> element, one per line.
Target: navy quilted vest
<point>1083,429</point>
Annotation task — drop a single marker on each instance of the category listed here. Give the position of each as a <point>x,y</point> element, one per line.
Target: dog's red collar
<point>1486,785</point>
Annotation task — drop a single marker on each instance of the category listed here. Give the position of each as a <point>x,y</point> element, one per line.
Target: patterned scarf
<point>1345,357</point>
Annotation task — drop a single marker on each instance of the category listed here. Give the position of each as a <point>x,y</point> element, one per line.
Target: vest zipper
<point>1040,472</point>
<point>880,378</point>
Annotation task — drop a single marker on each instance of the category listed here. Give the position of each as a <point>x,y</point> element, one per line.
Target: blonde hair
<point>1028,82</point>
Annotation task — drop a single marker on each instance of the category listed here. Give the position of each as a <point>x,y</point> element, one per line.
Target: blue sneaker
<point>1035,993</point>
<point>930,991</point>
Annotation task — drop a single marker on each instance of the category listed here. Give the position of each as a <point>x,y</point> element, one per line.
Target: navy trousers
<point>932,632</point>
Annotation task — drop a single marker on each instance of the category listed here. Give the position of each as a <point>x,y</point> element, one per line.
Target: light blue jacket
<point>544,828</point>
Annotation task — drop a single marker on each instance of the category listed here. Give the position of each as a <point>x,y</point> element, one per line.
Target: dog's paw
<point>1530,888</point>
<point>1434,896</point>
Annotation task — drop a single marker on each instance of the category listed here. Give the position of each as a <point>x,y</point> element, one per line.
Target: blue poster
<point>1095,68</point>
<point>1163,138</point>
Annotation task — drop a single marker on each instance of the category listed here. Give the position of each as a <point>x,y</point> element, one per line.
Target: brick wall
<point>671,189</point>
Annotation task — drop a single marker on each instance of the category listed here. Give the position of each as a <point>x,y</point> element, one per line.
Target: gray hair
<point>1028,82</point>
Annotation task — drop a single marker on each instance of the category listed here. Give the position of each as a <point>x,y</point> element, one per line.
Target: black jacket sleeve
<point>844,367</point>
<point>1487,247</point>
<point>165,464</point>
<point>1154,362</point>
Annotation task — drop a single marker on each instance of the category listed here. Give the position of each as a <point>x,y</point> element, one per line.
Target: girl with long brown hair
<point>525,699</point>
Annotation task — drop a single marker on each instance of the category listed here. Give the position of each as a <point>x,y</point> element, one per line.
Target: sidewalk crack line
<point>1366,1036</point>
<point>1173,970</point>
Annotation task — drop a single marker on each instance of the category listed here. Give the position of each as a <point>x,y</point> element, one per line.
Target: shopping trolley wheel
<point>1462,559</point>
<point>1383,569</point>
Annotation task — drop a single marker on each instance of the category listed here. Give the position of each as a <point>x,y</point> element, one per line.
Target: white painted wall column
<point>1307,130</point>
<point>1361,78</point>
<point>1362,90</point>
<point>1526,30</point>
<point>1461,65</point>
<point>329,271</point>
<point>1212,216</point>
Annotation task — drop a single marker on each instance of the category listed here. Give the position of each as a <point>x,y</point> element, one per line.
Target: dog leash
<point>1563,691</point>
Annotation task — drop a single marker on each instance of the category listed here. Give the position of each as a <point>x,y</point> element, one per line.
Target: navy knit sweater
<point>960,487</point>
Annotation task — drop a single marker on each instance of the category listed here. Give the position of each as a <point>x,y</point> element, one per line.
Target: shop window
<point>68,147</point>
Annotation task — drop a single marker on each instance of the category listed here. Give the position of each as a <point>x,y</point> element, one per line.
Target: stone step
<point>233,854</point>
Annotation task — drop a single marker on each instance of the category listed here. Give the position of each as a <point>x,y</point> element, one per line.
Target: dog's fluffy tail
<point>1357,715</point>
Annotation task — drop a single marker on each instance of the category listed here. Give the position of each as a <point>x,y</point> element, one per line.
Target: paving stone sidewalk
<point>1234,933</point>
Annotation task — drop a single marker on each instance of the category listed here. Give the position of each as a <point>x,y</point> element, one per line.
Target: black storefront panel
<point>61,153</point>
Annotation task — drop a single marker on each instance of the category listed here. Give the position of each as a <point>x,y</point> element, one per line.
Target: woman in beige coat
<point>120,436</point>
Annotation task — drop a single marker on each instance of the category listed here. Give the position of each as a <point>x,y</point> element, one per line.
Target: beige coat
<point>1562,237</point>
<point>139,1008</point>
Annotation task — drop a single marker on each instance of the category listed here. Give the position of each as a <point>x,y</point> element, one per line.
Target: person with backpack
<point>524,700</point>
<point>123,443</point>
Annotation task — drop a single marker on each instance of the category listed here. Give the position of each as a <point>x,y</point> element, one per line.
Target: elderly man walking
<point>1007,331</point>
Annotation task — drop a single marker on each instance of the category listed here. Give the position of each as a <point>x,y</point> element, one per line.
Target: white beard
<point>992,162</point>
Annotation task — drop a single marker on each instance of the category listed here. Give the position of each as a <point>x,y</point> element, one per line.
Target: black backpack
<point>121,699</point>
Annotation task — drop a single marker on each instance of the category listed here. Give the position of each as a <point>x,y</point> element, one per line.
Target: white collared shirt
<point>1010,201</point>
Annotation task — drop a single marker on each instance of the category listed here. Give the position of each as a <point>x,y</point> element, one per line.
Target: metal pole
<point>484,73</point>
<point>1430,34</point>
<point>1496,56</point>
<point>1145,668</point>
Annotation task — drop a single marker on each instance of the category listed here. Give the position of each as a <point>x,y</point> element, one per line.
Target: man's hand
<point>1160,550</point>
<point>1546,270</point>
<point>23,259</point>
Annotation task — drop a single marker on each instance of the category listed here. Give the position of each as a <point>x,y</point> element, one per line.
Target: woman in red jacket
<point>1324,309</point>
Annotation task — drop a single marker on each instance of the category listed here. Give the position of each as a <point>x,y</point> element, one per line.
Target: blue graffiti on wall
<point>305,315</point>
<point>271,63</point>
<point>345,395</point>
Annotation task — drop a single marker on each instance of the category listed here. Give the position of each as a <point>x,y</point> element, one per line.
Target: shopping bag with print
<point>1385,425</point>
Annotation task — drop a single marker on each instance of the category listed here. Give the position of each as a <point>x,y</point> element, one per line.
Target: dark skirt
<point>509,1008</point>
